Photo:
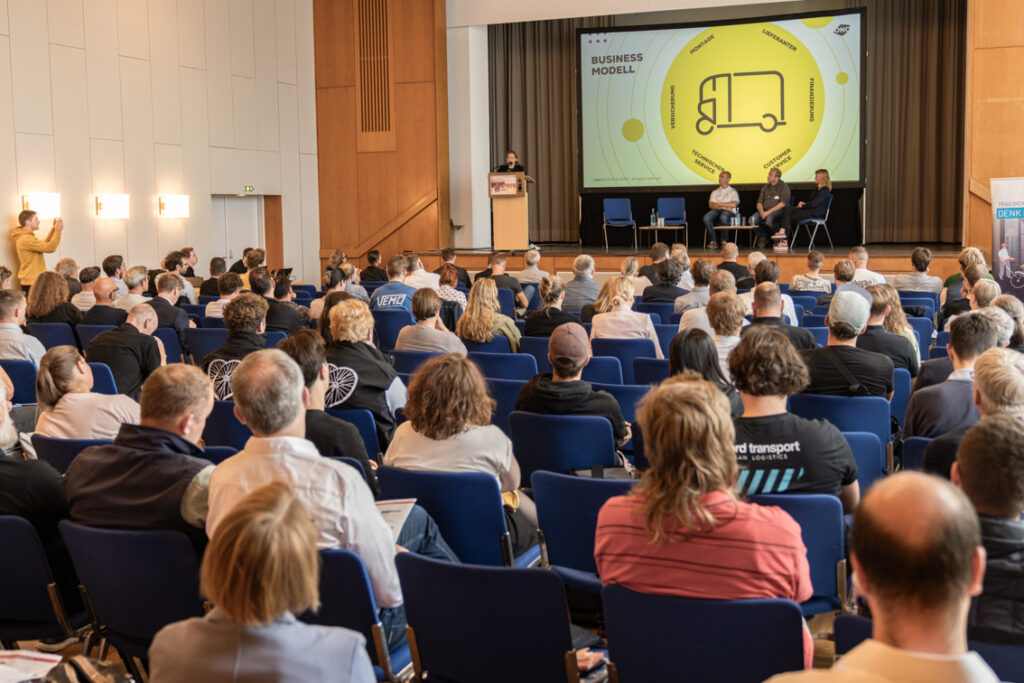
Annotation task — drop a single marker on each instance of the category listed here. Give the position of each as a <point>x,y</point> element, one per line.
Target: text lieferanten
<point>624,64</point>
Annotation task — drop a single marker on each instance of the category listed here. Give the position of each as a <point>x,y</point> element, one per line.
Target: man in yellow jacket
<point>31,249</point>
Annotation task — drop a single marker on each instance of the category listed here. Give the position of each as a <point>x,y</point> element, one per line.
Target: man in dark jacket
<point>168,288</point>
<point>448,257</point>
<point>154,475</point>
<point>280,316</point>
<point>245,316</point>
<point>218,266</point>
<point>767,308</point>
<point>989,468</point>
<point>562,392</point>
<point>239,265</point>
<point>103,311</point>
<point>130,350</point>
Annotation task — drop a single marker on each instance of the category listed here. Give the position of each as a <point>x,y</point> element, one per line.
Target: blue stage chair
<point>538,348</point>
<point>650,370</point>
<point>521,366</point>
<point>818,224</point>
<point>60,452</point>
<point>499,344</point>
<point>625,350</point>
<point>23,376</point>
<point>223,428</point>
<point>618,213</point>
<point>672,211</point>
<point>86,333</point>
<point>409,361</point>
<point>603,369</point>
<point>462,620</point>
<point>913,451</point>
<point>561,443</point>
<point>388,322</point>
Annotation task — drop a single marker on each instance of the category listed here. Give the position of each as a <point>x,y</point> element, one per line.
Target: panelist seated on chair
<point>69,408</point>
<point>103,312</point>
<point>685,515</point>
<point>448,429</point>
<point>153,476</point>
<point>543,322</point>
<point>814,207</point>
<point>722,204</point>
<point>268,389</point>
<point>130,350</point>
<point>246,319</point>
<point>14,343</point>
<point>229,286</point>
<point>429,333</point>
<point>562,392</point>
<point>771,202</point>
<point>259,571</point>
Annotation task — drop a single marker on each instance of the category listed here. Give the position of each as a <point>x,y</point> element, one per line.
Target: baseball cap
<point>569,345</point>
<point>849,308</point>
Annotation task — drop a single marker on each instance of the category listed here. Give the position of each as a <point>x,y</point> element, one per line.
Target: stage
<point>887,259</point>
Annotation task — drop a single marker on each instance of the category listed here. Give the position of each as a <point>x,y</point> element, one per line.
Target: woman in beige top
<point>614,318</point>
<point>70,409</point>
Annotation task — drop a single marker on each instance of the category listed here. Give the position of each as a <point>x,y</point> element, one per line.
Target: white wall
<point>152,97</point>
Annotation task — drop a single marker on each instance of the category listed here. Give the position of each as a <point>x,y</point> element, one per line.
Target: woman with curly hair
<point>48,301</point>
<point>482,319</point>
<point>686,516</point>
<point>448,429</point>
<point>615,319</point>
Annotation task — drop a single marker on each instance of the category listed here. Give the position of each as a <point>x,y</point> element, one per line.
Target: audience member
<point>694,350</point>
<point>429,333</point>
<point>14,343</point>
<point>256,258</point>
<point>130,350</point>
<point>245,316</point>
<point>352,285</point>
<point>6,277</point>
<point>461,276</point>
<point>811,281</point>
<point>154,475</point>
<point>768,271</point>
<point>69,407</point>
<point>665,290</point>
<point>336,259</point>
<point>332,436</point>
<point>631,269</point>
<point>229,286</point>
<point>416,276</point>
<point>917,558</point>
<point>238,267</point>
<point>919,280</point>
<point>189,260</point>
<point>617,320</point>
<point>698,297</point>
<point>843,273</point>
<point>725,314</point>
<point>375,384</point>
<point>104,312</point>
<point>136,279</point>
<point>85,299</point>
<point>218,266</point>
<point>268,389</point>
<point>685,516</point>
<point>767,308</point>
<point>697,318</point>
<point>679,253</point>
<point>659,252</point>
<point>333,281</point>
<point>770,441</point>
<point>30,249</point>
<point>280,316</point>
<point>168,289</point>
<point>1013,307</point>
<point>841,368</point>
<point>448,429</point>
<point>951,288</point>
<point>373,272</point>
<point>543,322</point>
<point>483,319</point>
<point>394,294</point>
<point>753,259</point>
<point>284,294</point>
<point>323,324</point>
<point>497,262</point>
<point>973,274</point>
<point>862,276</point>
<point>936,409</point>
<point>895,321</point>
<point>450,280</point>
<point>562,392</point>
<point>259,572</point>
<point>48,301</point>
<point>876,338</point>
<point>582,289</point>
<point>989,468</point>
<point>730,252</point>
<point>531,274</point>
<point>998,390</point>
<point>174,262</point>
<point>67,268</point>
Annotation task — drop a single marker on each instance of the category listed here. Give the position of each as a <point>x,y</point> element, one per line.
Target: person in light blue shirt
<point>394,294</point>
<point>14,343</point>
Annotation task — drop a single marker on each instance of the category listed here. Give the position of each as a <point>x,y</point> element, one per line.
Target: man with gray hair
<point>417,277</point>
<point>136,279</point>
<point>582,289</point>
<point>130,350</point>
<point>270,392</point>
<point>531,273</point>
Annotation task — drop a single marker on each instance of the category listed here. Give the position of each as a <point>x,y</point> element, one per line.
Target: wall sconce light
<point>173,205</point>
<point>46,204</point>
<point>112,206</point>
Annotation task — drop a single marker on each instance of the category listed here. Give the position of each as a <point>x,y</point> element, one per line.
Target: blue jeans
<point>719,216</point>
<point>766,226</point>
<point>419,535</point>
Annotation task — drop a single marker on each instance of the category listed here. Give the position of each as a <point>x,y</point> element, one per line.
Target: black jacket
<point>131,356</point>
<point>282,318</point>
<point>542,323</point>
<point>799,336</point>
<point>169,315</point>
<point>542,395</point>
<point>238,346</point>
<point>105,315</point>
<point>335,438</point>
<point>374,376</point>
<point>238,267</point>
<point>63,313</point>
<point>209,288</point>
<point>933,372</point>
<point>997,615</point>
<point>373,274</point>
<point>463,275</point>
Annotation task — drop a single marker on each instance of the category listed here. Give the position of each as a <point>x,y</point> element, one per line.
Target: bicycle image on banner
<point>1007,228</point>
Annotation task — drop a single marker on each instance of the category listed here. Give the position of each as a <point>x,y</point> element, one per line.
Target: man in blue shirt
<point>394,294</point>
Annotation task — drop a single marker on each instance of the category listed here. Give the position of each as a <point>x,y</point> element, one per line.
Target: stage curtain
<point>533,111</point>
<point>915,112</point>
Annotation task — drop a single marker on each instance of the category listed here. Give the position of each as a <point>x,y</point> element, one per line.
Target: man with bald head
<point>130,350</point>
<point>917,558</point>
<point>103,311</point>
<point>767,307</point>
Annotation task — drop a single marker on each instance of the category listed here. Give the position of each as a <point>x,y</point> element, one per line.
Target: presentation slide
<point>675,106</point>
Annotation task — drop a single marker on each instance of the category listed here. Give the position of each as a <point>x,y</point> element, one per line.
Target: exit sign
<point>250,188</point>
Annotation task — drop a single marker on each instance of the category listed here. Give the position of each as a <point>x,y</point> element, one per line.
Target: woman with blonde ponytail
<point>70,409</point>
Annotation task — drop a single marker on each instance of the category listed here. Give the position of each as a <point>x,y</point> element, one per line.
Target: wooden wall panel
<point>333,44</point>
<point>377,188</point>
<point>336,153</point>
<point>413,60</point>
<point>273,233</point>
<point>416,141</point>
<point>997,23</point>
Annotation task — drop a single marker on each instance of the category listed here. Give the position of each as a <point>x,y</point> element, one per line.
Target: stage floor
<point>562,248</point>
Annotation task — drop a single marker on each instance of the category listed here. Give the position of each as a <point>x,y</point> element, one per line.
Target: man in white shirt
<point>919,280</point>
<point>417,277</point>
<point>14,343</point>
<point>269,394</point>
<point>1005,268</point>
<point>721,281</point>
<point>229,285</point>
<point>917,559</point>
<point>137,281</point>
<point>862,277</point>
<point>723,203</point>
<point>86,299</point>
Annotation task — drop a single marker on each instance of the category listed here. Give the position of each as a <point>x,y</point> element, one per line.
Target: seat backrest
<point>388,322</point>
<point>705,641</point>
<point>223,428</point>
<point>847,413</point>
<point>409,361</point>
<point>666,333</point>
<point>274,337</point>
<point>900,393</point>
<point>538,348</point>
<point>161,567</point>
<point>617,209</point>
<point>938,352</point>
<point>820,334</point>
<point>869,453</point>
<point>933,296</point>
<point>822,528</point>
<point>808,301</point>
<point>194,309</point>
<point>672,208</point>
<point>465,505</point>
<point>664,310</point>
<point>505,365</point>
<point>23,376</point>
<point>218,454</point>
<point>603,369</point>
<point>924,327</point>
<point>86,333</point>
<point>364,422</point>
<point>172,347</point>
<point>506,301</point>
<point>627,396</point>
<point>203,340</point>
<point>60,452</point>
<point>499,344</point>
<point>567,508</point>
<point>504,392</point>
<point>103,379</point>
<point>214,323</point>
<point>649,370</point>
<point>812,320</point>
<point>463,621</point>
<point>913,451</point>
<point>561,443</point>
<point>24,574</point>
<point>625,350</point>
<point>53,334</point>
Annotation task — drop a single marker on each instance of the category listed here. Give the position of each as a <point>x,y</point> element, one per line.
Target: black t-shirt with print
<point>790,454</point>
<point>872,370</point>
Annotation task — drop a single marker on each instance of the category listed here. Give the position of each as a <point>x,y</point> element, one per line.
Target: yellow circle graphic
<point>817,22</point>
<point>842,77</point>
<point>633,130</point>
<point>742,98</point>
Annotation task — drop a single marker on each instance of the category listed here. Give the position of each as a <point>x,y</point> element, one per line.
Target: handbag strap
<point>856,388</point>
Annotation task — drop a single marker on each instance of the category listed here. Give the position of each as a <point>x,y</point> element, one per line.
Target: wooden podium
<point>510,230</point>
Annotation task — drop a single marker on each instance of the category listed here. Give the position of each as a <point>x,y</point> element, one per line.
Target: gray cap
<point>849,308</point>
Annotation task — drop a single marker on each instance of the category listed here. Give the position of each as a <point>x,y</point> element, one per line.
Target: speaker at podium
<point>510,210</point>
